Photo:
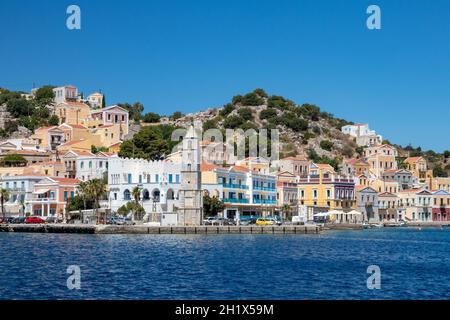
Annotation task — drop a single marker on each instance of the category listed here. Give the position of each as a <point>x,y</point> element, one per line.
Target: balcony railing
<point>235,200</point>
<point>234,186</point>
<point>43,199</point>
<point>264,188</point>
<point>264,201</point>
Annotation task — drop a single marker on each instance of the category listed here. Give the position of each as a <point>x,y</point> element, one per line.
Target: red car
<point>34,220</point>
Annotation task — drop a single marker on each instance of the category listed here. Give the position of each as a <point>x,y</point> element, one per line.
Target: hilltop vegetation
<point>29,113</point>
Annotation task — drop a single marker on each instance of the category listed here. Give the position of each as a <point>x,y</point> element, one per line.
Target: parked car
<point>34,220</point>
<point>265,222</point>
<point>18,220</point>
<point>52,220</point>
<point>116,221</point>
<point>129,222</point>
<point>211,221</point>
<point>9,219</point>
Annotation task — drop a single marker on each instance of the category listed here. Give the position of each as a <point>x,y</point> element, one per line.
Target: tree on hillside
<point>151,117</point>
<point>151,143</point>
<point>45,94</point>
<point>438,171</point>
<point>104,101</point>
<point>326,145</point>
<point>176,115</point>
<point>245,113</point>
<point>134,111</point>
<point>13,160</point>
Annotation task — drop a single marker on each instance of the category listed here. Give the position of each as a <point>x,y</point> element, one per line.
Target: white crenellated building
<point>159,182</point>
<point>364,136</point>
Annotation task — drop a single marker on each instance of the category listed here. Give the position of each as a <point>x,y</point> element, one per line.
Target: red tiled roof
<point>412,159</point>
<point>66,180</point>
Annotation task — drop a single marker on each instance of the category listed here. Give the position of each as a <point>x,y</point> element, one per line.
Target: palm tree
<point>96,190</point>
<point>4,196</point>
<point>136,193</point>
<point>83,191</point>
<point>286,208</point>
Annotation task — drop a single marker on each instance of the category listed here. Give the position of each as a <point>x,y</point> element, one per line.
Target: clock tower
<point>190,212</point>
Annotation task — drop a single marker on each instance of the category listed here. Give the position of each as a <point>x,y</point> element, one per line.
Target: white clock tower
<point>190,212</point>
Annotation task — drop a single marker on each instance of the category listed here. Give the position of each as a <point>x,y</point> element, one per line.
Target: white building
<point>95,100</point>
<point>20,188</point>
<point>159,182</point>
<point>65,93</point>
<point>92,166</point>
<point>364,136</point>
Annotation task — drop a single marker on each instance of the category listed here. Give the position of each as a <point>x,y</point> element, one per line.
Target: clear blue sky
<point>191,55</point>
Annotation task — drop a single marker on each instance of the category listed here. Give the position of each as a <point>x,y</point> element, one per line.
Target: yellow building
<point>382,186</point>
<point>324,190</point>
<point>106,136</point>
<point>74,132</point>
<point>381,158</point>
<point>76,145</point>
<point>257,164</point>
<point>419,168</point>
<point>72,112</point>
<point>439,183</point>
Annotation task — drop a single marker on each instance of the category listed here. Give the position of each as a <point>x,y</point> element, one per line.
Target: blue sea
<point>414,264</point>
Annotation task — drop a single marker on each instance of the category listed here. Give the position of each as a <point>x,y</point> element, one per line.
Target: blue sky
<point>191,55</point>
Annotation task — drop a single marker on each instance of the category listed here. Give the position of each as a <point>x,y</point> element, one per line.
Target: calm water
<point>414,265</point>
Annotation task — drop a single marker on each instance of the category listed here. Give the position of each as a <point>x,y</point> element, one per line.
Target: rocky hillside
<point>304,129</point>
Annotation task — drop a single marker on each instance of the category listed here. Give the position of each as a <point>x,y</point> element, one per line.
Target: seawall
<point>140,229</point>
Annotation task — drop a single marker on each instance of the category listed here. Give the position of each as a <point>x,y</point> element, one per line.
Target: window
<point>170,178</point>
<point>90,164</point>
<point>129,178</point>
<point>140,178</point>
<point>177,178</point>
<point>72,194</point>
<point>81,164</point>
<point>156,178</point>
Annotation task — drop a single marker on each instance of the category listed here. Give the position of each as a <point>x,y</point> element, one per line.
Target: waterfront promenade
<point>142,229</point>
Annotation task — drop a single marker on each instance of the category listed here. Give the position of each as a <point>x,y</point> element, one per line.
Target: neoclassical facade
<point>159,183</point>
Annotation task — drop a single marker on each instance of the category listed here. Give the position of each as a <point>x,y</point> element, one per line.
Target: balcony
<point>264,201</point>
<point>235,200</point>
<point>264,189</point>
<point>234,186</point>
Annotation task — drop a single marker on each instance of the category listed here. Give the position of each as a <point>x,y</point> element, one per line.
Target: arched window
<point>127,195</point>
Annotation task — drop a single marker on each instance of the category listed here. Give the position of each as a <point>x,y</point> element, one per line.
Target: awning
<point>323,214</point>
<point>41,191</point>
<point>354,212</point>
<point>336,212</point>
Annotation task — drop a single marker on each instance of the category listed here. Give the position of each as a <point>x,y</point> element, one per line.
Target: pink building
<point>50,196</point>
<point>113,115</point>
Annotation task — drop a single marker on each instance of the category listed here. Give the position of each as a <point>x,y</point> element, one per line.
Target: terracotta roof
<point>81,153</point>
<point>75,104</point>
<point>413,159</point>
<point>65,180</point>
<point>298,158</point>
<point>28,152</point>
<point>69,143</point>
<point>387,194</point>
<point>411,190</point>
<point>208,167</point>
<point>350,161</point>
<point>240,168</point>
